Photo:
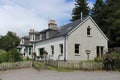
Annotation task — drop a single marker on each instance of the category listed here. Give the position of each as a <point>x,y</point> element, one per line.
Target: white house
<point>78,40</point>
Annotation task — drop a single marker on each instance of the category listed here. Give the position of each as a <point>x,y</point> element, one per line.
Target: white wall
<point>22,50</point>
<point>47,45</point>
<point>79,36</point>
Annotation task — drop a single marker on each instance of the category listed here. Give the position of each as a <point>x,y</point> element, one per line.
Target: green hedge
<point>3,56</point>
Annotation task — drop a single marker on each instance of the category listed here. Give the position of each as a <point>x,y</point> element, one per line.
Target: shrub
<point>98,59</point>
<point>116,56</point>
<point>3,56</point>
<point>14,55</point>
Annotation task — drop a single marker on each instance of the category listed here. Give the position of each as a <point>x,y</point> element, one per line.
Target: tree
<point>14,55</point>
<point>3,56</point>
<point>80,6</point>
<point>9,41</point>
<point>113,19</point>
<point>107,16</point>
<point>98,13</point>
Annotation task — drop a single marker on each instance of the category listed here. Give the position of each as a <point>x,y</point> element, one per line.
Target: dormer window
<point>32,37</point>
<point>22,41</point>
<point>88,31</point>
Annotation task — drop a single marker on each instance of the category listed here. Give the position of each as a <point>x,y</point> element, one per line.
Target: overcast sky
<point>21,15</point>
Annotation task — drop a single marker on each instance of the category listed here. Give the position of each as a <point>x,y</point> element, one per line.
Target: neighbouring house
<point>75,41</point>
<point>25,47</point>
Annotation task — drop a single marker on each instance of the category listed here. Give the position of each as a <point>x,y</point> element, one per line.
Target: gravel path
<point>32,74</point>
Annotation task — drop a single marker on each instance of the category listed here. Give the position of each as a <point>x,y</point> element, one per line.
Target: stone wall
<point>15,65</point>
<point>77,65</point>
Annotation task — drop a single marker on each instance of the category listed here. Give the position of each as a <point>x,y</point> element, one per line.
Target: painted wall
<point>79,36</point>
<point>47,46</point>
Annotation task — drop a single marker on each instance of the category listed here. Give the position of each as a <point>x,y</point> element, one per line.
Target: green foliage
<point>14,55</point>
<point>9,41</point>
<point>116,56</point>
<point>98,59</point>
<point>3,56</point>
<point>80,6</point>
<point>107,16</point>
<point>98,13</point>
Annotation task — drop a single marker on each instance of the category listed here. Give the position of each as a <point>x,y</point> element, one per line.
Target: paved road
<point>32,74</point>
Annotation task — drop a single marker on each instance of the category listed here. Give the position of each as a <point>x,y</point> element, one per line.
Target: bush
<point>98,59</point>
<point>14,55</point>
<point>3,56</point>
<point>116,56</point>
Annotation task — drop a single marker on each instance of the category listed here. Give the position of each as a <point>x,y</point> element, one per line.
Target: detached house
<point>78,40</point>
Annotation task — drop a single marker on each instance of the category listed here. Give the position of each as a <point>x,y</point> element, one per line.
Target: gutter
<point>65,46</point>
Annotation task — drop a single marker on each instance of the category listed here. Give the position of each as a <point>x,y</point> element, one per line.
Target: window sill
<point>89,36</point>
<point>77,54</point>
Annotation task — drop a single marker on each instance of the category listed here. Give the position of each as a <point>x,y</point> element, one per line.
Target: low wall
<point>78,65</point>
<point>15,65</point>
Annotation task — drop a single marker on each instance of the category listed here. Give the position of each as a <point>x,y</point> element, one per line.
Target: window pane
<point>52,49</point>
<point>61,48</point>
<point>76,51</point>
<point>76,48</point>
<point>97,51</point>
<point>88,30</point>
<point>101,51</point>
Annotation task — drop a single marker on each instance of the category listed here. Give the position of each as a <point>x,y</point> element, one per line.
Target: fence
<point>78,65</point>
<point>15,65</point>
<point>68,65</point>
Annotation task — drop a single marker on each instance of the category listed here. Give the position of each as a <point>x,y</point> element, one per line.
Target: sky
<point>20,16</point>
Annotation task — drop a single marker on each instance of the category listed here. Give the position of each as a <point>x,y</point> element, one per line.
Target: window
<point>52,49</point>
<point>77,48</point>
<point>30,50</point>
<point>99,51</point>
<point>61,48</point>
<point>22,41</point>
<point>33,37</point>
<point>88,30</point>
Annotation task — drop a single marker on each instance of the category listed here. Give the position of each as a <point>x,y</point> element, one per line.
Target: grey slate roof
<point>65,29</point>
<point>26,37</point>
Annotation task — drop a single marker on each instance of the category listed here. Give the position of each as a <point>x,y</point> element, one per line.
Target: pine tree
<point>98,12</point>
<point>80,6</point>
<point>113,19</point>
<point>107,16</point>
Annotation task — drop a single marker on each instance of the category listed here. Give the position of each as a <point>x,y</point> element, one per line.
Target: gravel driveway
<point>32,74</point>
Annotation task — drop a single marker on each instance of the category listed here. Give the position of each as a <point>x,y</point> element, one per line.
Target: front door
<point>41,52</point>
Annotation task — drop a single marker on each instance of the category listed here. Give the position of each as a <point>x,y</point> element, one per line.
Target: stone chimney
<point>52,25</point>
<point>31,30</point>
